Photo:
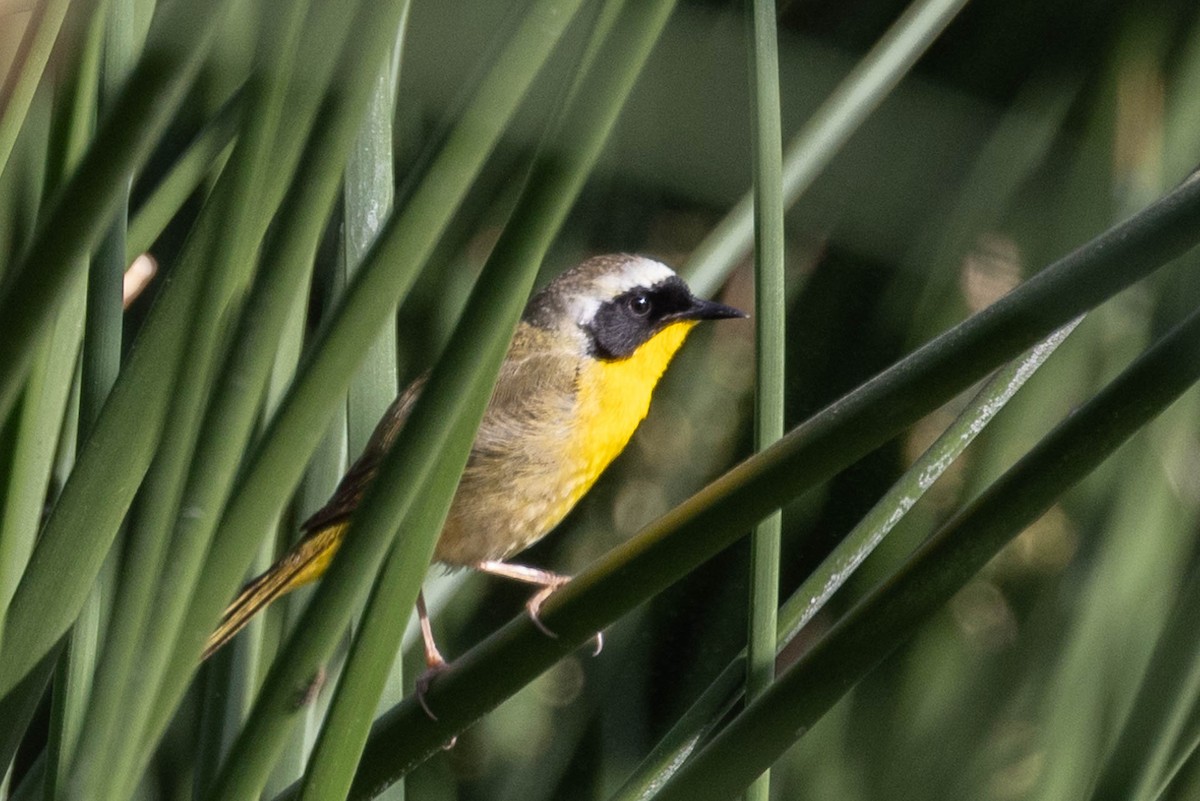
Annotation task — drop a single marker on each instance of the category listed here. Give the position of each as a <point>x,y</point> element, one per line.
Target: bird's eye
<point>639,304</point>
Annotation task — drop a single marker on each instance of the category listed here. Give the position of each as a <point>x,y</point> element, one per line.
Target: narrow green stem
<point>39,425</point>
<point>405,466</point>
<point>367,201</point>
<point>238,221</point>
<point>325,469</point>
<point>1148,752</point>
<point>381,630</point>
<point>386,274</point>
<point>33,786</point>
<point>17,708</point>
<point>46,396</point>
<point>370,181</point>
<point>280,284</point>
<point>769,313</point>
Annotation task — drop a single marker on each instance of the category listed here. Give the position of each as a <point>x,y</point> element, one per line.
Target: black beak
<point>709,310</point>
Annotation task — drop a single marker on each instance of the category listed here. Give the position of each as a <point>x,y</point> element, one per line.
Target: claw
<point>535,605</point>
<point>422,687</point>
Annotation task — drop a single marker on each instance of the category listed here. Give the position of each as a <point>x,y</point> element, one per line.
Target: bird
<point>576,382</point>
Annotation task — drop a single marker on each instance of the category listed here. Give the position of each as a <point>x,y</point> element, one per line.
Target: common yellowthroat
<point>575,383</point>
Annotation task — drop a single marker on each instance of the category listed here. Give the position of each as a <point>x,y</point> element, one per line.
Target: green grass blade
<point>16,94</point>
<point>875,525</point>
<point>325,469</point>
<point>378,380</point>
<point>24,187</point>
<point>374,650</point>
<point>1181,763</point>
<point>41,420</point>
<point>41,609</point>
<point>769,328</point>
<point>115,457</point>
<point>286,265</point>
<point>670,547</point>
<point>871,80</point>
<point>79,98</point>
<point>85,207</point>
<point>95,498</point>
<point>17,708</point>
<point>368,203</point>
<point>203,157</point>
<point>41,413</point>
<point>894,612</point>
<point>46,414</point>
<point>33,786</point>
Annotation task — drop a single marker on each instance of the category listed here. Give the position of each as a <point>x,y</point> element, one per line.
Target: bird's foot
<point>421,687</point>
<point>547,581</point>
<point>535,604</point>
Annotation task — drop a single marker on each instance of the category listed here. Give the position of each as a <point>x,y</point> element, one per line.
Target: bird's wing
<point>350,489</point>
<point>534,395</point>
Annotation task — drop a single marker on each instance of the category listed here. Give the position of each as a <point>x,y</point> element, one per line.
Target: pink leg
<point>434,662</point>
<point>433,657</point>
<point>548,581</point>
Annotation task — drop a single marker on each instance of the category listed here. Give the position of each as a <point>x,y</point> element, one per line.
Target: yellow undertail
<point>304,563</point>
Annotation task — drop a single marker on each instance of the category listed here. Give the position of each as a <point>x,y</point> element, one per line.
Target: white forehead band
<point>634,273</point>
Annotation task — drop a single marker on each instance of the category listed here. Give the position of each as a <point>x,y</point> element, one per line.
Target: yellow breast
<point>614,397</point>
<point>503,507</point>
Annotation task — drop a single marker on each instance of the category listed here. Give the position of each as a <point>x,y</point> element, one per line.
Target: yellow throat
<point>614,397</point>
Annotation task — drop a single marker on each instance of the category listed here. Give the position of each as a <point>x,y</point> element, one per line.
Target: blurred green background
<point>1027,128</point>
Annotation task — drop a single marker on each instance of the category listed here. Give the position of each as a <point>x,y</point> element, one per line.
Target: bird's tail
<point>305,562</point>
